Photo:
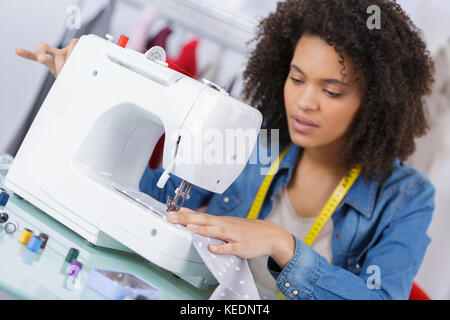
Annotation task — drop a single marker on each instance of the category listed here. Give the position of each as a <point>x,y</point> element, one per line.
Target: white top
<point>284,215</point>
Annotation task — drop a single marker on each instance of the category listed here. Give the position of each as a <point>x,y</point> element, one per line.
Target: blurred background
<point>207,39</point>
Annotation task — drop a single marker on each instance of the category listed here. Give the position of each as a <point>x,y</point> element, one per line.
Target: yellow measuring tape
<point>261,194</point>
<point>330,206</point>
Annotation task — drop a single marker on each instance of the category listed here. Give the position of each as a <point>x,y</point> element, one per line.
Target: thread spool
<point>75,268</point>
<point>3,217</point>
<point>4,196</point>
<point>72,255</point>
<point>44,238</point>
<point>34,244</point>
<point>25,236</point>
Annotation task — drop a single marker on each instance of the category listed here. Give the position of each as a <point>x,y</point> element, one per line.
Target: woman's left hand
<point>245,238</point>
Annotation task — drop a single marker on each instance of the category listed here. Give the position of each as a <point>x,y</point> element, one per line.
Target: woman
<point>344,96</point>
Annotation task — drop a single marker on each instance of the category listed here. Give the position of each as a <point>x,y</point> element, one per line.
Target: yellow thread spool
<point>25,236</point>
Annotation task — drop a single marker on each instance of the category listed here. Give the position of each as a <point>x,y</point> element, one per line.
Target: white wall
<point>24,23</point>
<point>433,17</point>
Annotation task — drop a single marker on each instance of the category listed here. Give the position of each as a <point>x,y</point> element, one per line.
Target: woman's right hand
<point>53,58</point>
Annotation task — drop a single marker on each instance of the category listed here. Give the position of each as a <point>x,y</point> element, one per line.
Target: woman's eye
<point>332,94</point>
<point>296,81</point>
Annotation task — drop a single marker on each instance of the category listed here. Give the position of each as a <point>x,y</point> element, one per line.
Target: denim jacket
<point>379,237</point>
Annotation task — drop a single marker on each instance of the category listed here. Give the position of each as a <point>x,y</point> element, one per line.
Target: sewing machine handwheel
<point>156,53</point>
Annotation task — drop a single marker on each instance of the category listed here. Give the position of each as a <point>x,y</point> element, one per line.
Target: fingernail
<point>213,247</point>
<point>40,57</point>
<point>184,209</point>
<point>192,226</point>
<point>172,215</point>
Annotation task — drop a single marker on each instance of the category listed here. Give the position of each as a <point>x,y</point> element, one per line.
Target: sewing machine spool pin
<point>179,192</point>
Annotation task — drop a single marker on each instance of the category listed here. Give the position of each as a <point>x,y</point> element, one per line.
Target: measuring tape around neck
<point>261,194</point>
<point>330,206</point>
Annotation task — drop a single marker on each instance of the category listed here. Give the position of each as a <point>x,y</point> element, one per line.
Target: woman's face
<point>320,105</point>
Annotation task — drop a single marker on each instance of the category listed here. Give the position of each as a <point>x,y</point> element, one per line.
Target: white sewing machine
<point>86,151</point>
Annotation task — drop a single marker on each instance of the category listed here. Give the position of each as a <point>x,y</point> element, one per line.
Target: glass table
<point>42,275</point>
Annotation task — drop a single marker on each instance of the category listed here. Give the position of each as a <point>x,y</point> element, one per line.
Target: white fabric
<point>232,273</point>
<point>284,215</point>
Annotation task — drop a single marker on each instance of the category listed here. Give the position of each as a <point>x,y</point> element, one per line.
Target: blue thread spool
<point>4,196</point>
<point>34,244</point>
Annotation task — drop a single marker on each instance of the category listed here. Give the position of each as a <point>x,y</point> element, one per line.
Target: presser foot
<point>180,192</point>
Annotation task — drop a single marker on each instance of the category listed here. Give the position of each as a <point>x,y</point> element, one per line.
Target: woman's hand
<point>245,238</point>
<point>53,58</point>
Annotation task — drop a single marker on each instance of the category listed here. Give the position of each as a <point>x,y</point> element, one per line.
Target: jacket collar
<point>361,195</point>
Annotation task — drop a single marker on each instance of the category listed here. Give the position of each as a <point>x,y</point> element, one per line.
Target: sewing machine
<point>86,151</point>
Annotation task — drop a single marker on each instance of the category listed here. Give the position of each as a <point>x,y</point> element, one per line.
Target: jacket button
<point>287,284</point>
<point>357,266</point>
<point>226,199</point>
<point>337,235</point>
<point>295,292</point>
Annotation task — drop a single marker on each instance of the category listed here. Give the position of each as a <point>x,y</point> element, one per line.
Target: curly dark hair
<point>393,63</point>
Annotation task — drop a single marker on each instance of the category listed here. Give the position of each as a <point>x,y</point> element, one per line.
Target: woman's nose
<point>307,99</point>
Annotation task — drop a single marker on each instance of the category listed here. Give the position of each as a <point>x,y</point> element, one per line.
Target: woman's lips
<point>305,120</point>
<point>303,124</point>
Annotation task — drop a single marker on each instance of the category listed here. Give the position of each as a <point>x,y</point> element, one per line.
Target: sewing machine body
<point>93,136</point>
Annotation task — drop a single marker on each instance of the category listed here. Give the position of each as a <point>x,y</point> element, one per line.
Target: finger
<point>217,232</point>
<point>189,217</point>
<point>226,248</point>
<point>187,210</point>
<point>26,54</point>
<point>60,60</point>
<point>48,61</point>
<point>62,55</point>
<point>41,58</point>
<point>71,46</point>
<point>44,48</point>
